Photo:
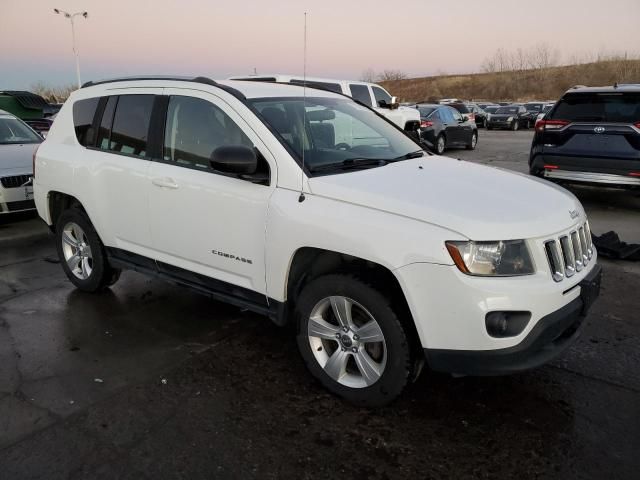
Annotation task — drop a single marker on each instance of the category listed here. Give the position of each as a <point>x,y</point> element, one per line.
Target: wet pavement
<point>149,380</point>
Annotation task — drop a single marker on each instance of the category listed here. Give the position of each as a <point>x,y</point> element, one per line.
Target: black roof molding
<point>27,100</point>
<point>202,80</point>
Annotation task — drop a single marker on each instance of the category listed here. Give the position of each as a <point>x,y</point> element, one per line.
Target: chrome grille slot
<point>587,234</point>
<point>583,245</point>
<point>568,256</point>
<point>552,248</point>
<point>577,250</point>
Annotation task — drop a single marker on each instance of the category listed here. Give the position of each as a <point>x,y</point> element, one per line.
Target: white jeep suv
<point>324,216</point>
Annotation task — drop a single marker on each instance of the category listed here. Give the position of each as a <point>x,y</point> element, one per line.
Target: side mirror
<point>465,118</point>
<point>391,105</point>
<point>235,159</point>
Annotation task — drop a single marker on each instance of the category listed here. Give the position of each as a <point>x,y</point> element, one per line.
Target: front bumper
<point>550,336</point>
<point>16,199</point>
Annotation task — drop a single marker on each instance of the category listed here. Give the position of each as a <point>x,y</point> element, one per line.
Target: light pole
<point>71,16</point>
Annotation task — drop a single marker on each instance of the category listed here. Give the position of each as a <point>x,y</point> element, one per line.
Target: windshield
<point>333,130</point>
<point>13,130</point>
<point>490,109</point>
<point>533,107</point>
<point>509,110</point>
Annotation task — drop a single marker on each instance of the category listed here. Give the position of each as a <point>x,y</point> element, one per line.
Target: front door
<point>202,220</point>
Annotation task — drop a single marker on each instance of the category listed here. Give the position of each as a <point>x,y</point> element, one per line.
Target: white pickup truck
<point>377,255</point>
<point>370,94</point>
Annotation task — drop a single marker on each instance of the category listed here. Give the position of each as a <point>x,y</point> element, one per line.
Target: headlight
<point>510,119</point>
<point>504,258</point>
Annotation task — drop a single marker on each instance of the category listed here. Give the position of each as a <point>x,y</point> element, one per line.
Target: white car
<point>322,215</point>
<point>370,94</point>
<point>18,143</point>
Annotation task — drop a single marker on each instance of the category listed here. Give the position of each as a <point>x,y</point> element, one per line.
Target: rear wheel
<point>473,141</point>
<point>81,252</point>
<point>352,341</point>
<point>441,144</point>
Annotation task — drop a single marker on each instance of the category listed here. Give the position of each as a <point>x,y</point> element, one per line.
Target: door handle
<point>165,182</point>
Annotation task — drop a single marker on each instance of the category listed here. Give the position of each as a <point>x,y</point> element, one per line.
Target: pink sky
<point>222,38</point>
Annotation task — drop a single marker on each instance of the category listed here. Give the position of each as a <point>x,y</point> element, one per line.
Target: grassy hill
<point>542,84</point>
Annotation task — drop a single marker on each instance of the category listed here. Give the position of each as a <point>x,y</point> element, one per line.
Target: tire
<point>515,126</point>
<point>485,124</point>
<point>386,363</point>
<point>82,254</point>
<point>473,142</point>
<point>441,144</point>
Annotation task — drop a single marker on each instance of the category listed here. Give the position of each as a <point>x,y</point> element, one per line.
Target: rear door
<point>595,132</point>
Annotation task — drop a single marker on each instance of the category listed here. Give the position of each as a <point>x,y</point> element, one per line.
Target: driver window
<point>380,94</point>
<point>456,115</point>
<point>195,128</point>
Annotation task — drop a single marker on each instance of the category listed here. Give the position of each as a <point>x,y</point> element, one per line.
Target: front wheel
<point>82,253</point>
<point>352,341</point>
<point>515,125</point>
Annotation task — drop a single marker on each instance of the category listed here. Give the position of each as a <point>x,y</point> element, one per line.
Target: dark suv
<point>592,135</point>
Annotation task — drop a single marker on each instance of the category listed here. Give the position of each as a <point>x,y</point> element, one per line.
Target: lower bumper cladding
<point>552,335</point>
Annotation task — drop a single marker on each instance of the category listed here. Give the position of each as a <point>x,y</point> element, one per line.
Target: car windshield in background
<point>491,109</point>
<point>334,132</point>
<point>616,107</point>
<point>505,110</point>
<point>534,107</point>
<point>13,130</point>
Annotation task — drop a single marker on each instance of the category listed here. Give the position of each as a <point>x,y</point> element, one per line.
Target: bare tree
<point>368,75</point>
<point>387,75</point>
<point>52,94</point>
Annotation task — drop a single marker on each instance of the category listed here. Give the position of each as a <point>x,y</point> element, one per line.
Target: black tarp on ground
<point>610,246</point>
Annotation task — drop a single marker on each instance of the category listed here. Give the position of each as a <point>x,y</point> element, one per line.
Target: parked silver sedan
<point>18,142</point>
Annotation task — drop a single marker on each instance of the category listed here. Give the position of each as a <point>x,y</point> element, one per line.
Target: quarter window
<point>361,94</point>
<point>131,125</point>
<point>195,128</point>
<point>83,113</point>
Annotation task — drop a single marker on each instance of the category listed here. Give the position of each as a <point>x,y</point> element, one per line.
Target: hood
<point>503,115</point>
<point>16,159</point>
<point>476,201</point>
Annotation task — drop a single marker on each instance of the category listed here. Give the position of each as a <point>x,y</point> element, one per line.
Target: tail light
<point>34,162</point>
<point>637,124</point>
<point>472,116</point>
<point>634,174</point>
<point>426,123</point>
<point>542,125</point>
<point>551,167</point>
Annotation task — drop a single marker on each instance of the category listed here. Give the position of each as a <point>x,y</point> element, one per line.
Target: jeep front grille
<point>569,253</point>
<point>14,181</point>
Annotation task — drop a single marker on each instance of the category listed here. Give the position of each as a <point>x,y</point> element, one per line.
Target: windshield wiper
<point>350,163</point>
<point>416,154</point>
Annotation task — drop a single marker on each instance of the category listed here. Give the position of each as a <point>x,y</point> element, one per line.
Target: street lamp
<point>71,16</point>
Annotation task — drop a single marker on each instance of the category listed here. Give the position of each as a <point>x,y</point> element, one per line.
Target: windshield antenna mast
<point>304,108</point>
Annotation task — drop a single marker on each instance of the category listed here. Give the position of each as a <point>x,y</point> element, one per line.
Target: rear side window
<point>195,128</point>
<point>425,111</point>
<point>361,94</point>
<point>460,107</point>
<point>83,113</point>
<point>130,129</point>
<point>617,108</point>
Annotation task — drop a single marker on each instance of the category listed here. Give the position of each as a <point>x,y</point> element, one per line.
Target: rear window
<point>425,111</point>
<point>618,108</point>
<point>83,113</point>
<point>460,107</point>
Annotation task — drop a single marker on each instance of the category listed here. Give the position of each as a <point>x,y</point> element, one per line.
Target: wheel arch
<point>58,202</point>
<point>309,263</point>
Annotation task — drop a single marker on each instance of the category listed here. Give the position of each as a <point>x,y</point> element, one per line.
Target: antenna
<point>304,108</point>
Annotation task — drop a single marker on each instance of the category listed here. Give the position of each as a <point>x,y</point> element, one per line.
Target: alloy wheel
<point>347,342</point>
<point>76,250</point>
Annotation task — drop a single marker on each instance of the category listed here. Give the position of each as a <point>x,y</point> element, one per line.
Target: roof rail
<point>616,85</point>
<point>203,80</point>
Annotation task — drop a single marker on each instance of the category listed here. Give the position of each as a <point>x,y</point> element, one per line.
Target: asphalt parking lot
<point>149,380</point>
